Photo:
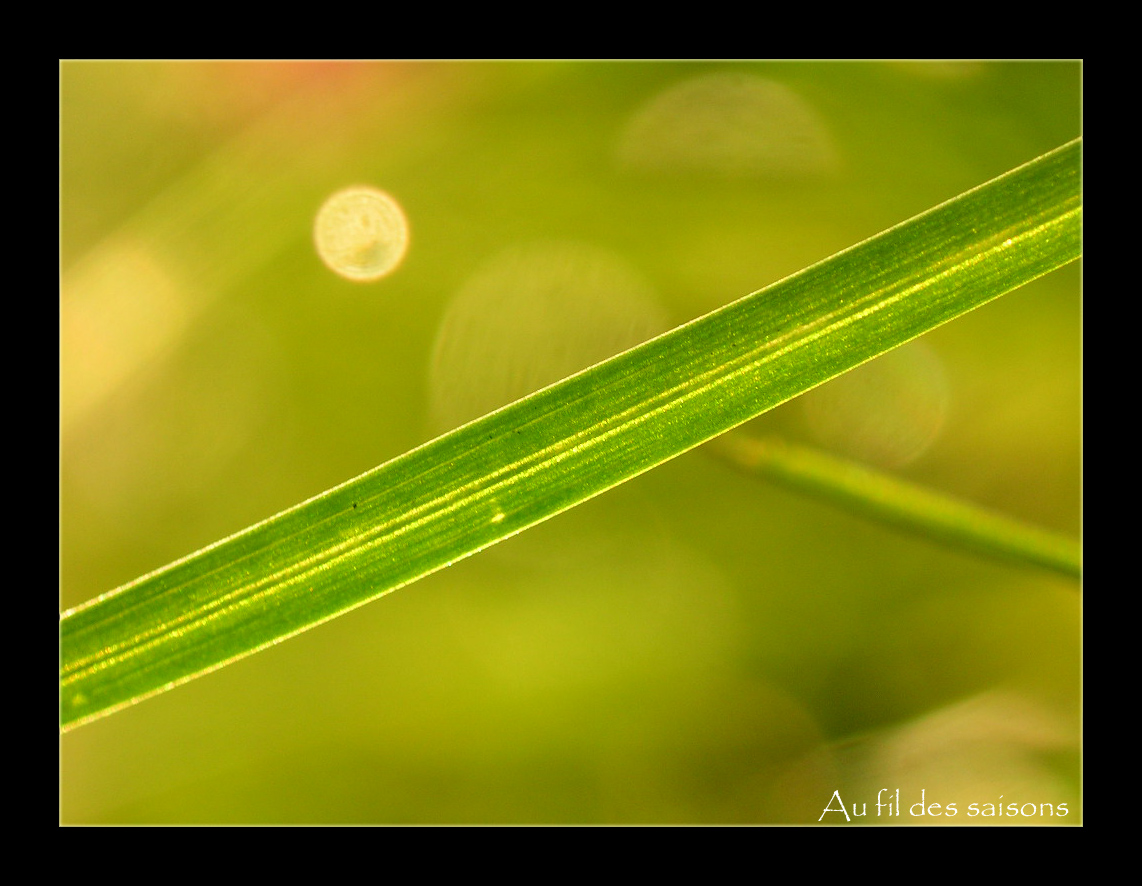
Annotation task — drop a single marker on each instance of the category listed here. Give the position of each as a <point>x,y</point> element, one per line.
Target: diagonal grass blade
<point>541,455</point>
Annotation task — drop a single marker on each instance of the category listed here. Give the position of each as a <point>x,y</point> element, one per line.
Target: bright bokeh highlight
<point>361,233</point>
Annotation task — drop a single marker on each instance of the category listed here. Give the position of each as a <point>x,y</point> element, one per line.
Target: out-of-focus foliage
<point>692,647</point>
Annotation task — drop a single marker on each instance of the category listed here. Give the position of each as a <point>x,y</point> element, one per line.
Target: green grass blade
<point>902,504</point>
<point>541,455</point>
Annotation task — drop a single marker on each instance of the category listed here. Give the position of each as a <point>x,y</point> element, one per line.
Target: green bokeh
<point>695,646</point>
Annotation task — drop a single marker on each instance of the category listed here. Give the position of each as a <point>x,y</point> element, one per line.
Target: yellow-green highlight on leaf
<point>901,504</point>
<point>524,463</point>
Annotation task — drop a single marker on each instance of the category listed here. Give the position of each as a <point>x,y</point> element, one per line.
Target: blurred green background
<point>696,646</point>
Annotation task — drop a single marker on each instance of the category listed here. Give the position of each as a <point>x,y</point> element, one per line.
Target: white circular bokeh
<point>361,233</point>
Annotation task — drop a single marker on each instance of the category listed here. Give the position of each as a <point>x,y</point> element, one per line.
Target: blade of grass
<point>541,455</point>
<point>901,504</point>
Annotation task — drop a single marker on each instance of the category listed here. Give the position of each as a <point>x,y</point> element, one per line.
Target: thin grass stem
<point>901,504</point>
